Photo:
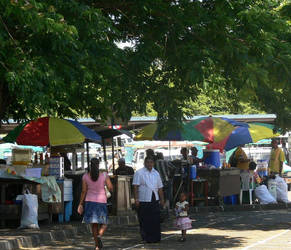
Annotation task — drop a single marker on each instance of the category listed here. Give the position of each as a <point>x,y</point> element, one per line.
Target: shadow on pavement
<point>194,241</point>
<point>239,226</point>
<point>264,221</point>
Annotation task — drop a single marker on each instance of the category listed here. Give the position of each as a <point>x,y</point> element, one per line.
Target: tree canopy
<point>62,57</point>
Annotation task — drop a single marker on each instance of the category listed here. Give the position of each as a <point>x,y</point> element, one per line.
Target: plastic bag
<point>282,190</point>
<point>107,192</point>
<point>29,211</point>
<point>264,196</point>
<point>272,187</point>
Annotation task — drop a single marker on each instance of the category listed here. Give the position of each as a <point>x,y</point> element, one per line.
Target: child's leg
<point>184,234</point>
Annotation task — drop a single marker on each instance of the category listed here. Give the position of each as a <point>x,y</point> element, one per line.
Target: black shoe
<point>100,244</point>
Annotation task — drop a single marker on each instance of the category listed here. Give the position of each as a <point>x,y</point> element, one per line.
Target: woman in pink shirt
<point>93,201</point>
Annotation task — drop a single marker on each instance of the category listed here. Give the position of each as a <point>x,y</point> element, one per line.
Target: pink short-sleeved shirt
<point>96,190</point>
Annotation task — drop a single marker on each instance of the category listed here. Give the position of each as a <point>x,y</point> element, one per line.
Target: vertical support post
<point>104,153</point>
<point>83,160</point>
<point>88,160</point>
<point>74,165</point>
<point>112,148</point>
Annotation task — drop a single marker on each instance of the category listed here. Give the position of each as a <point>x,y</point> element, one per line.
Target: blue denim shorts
<point>95,213</point>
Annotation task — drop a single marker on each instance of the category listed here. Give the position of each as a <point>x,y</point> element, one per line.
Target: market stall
<point>38,176</point>
<point>46,169</point>
<point>10,207</point>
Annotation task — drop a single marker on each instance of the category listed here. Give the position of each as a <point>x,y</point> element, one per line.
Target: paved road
<point>232,230</point>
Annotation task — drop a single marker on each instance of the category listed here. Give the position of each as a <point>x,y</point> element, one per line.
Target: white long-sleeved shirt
<point>149,182</point>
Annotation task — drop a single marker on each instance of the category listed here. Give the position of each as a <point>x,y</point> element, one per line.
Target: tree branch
<point>6,28</point>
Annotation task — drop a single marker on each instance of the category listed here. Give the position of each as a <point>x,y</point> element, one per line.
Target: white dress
<point>183,222</point>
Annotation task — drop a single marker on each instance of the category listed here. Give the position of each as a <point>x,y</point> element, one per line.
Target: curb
<point>35,239</point>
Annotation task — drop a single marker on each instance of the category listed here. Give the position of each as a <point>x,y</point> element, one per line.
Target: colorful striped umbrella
<point>207,129</point>
<point>51,131</point>
<point>210,129</point>
<point>244,135</point>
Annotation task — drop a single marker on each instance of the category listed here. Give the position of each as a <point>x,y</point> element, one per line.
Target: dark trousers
<point>149,220</point>
<point>168,192</point>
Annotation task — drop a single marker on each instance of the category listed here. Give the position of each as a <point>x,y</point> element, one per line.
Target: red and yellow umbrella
<point>51,131</point>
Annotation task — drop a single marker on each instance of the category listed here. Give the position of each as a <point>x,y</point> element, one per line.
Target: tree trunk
<point>4,100</point>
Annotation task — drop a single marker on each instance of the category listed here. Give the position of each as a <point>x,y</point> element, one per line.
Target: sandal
<point>100,243</point>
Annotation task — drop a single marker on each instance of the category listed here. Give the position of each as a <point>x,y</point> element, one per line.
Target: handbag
<point>107,192</point>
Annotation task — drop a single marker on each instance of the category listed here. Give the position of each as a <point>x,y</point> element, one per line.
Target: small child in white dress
<point>183,222</point>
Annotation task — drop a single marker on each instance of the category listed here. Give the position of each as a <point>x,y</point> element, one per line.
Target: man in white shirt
<point>148,194</point>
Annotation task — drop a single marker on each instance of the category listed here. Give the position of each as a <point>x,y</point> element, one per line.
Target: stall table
<point>221,182</point>
<point>13,211</point>
<point>199,191</point>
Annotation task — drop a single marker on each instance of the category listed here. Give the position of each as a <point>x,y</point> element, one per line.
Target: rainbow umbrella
<point>210,129</point>
<point>207,129</point>
<point>244,135</point>
<point>51,131</point>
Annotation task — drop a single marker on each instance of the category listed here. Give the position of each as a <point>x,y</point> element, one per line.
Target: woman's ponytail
<point>94,170</point>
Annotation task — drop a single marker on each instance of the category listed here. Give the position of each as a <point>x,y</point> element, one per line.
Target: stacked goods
<point>21,156</point>
<point>56,166</point>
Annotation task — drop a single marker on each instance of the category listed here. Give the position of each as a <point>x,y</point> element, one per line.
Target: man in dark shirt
<point>123,169</point>
<point>167,171</point>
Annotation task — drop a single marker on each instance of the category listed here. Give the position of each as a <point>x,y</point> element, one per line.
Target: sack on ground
<point>264,196</point>
<point>29,211</point>
<point>282,190</point>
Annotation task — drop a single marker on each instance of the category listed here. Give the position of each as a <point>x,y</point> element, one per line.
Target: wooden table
<point>196,195</point>
<point>221,182</point>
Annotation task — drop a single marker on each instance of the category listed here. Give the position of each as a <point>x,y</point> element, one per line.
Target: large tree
<point>61,58</point>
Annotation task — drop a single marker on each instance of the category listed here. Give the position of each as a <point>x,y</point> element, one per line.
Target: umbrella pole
<point>112,148</point>
<point>169,149</point>
<point>87,147</point>
<point>104,153</point>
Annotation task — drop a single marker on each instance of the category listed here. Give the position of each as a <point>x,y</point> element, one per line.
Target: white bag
<point>264,196</point>
<point>107,192</point>
<point>272,187</point>
<point>29,211</point>
<point>282,190</point>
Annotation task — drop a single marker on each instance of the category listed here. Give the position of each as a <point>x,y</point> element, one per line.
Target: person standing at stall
<point>239,159</point>
<point>167,171</point>
<point>123,169</point>
<point>186,161</point>
<point>194,159</point>
<point>148,194</point>
<point>277,159</point>
<point>93,201</point>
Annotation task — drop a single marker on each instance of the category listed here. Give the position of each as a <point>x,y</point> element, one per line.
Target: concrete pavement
<point>223,230</point>
<point>212,229</point>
